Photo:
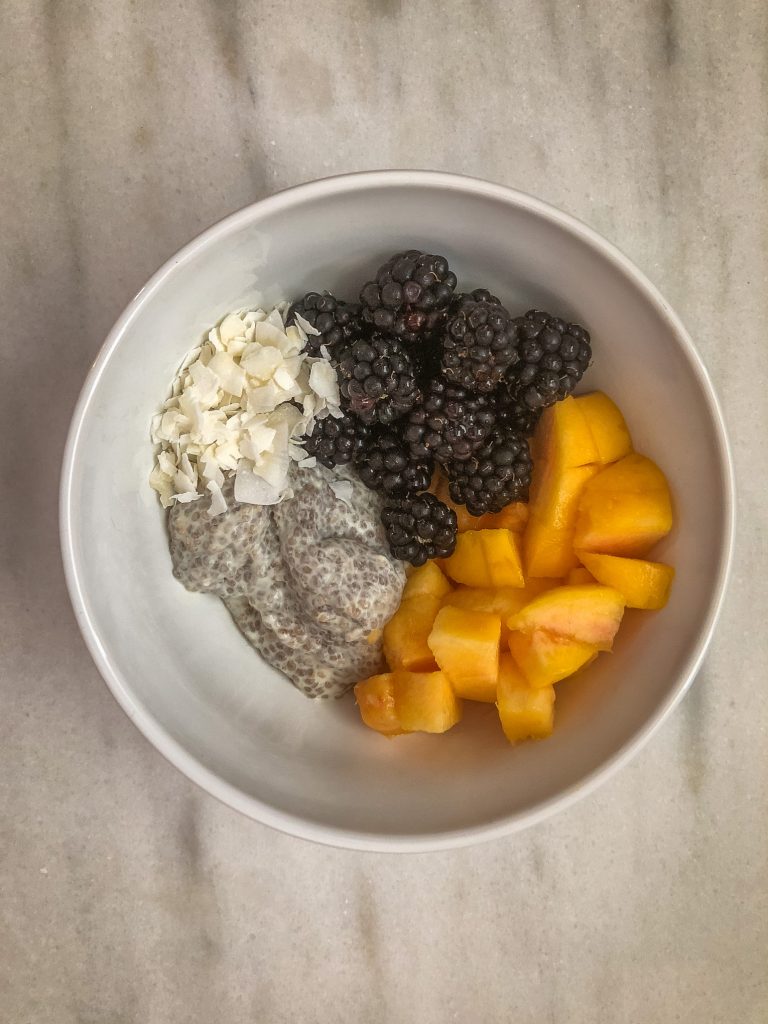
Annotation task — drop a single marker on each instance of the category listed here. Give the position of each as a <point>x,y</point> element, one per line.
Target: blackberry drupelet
<point>449,423</point>
<point>386,464</point>
<point>336,442</point>
<point>499,473</point>
<point>479,345</point>
<point>553,357</point>
<point>419,527</point>
<point>409,295</point>
<point>336,320</point>
<point>477,295</point>
<point>376,379</point>
<point>511,412</point>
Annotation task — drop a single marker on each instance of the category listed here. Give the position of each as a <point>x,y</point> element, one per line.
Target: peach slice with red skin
<point>589,614</point>
<point>545,658</point>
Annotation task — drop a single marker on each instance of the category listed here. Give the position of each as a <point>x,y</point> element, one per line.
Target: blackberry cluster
<point>429,376</point>
<point>419,527</point>
<point>449,423</point>
<point>479,345</point>
<point>336,442</point>
<point>496,475</point>
<point>553,358</point>
<point>376,379</point>
<point>409,294</point>
<point>336,320</point>
<point>386,464</point>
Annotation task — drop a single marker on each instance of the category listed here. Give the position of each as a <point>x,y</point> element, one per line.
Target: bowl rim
<point>169,747</point>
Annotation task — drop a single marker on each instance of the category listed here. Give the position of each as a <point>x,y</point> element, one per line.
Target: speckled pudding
<point>309,582</point>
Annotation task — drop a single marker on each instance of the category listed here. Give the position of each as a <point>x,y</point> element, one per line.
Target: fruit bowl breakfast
<point>425,447</point>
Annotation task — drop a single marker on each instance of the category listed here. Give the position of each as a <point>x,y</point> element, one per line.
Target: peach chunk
<point>425,702</point>
<point>625,509</point>
<point>607,426</point>
<point>545,658</point>
<point>376,700</point>
<point>564,459</point>
<point>428,581</point>
<point>503,601</point>
<point>526,712</point>
<point>486,558</point>
<point>400,702</point>
<point>642,584</point>
<point>465,645</point>
<point>589,614</point>
<point>405,635</point>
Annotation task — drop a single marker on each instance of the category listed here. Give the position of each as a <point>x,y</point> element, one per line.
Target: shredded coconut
<point>240,404</point>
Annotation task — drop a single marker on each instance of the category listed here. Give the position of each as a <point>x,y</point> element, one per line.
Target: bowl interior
<point>176,661</point>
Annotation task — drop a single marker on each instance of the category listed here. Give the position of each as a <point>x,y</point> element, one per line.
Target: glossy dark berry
<point>376,379</point>
<point>409,294</point>
<point>497,474</point>
<point>386,464</point>
<point>419,527</point>
<point>336,320</point>
<point>553,358</point>
<point>337,441</point>
<point>479,345</point>
<point>449,423</point>
<point>512,413</point>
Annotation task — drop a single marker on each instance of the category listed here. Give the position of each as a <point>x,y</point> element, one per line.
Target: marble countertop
<point>128,896</point>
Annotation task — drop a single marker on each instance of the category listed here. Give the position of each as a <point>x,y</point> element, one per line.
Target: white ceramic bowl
<point>175,661</point>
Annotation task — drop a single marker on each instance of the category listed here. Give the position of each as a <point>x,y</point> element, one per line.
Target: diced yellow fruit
<point>502,601</point>
<point>405,635</point>
<point>625,509</point>
<point>486,558</point>
<point>563,438</point>
<point>607,426</point>
<point>526,712</point>
<point>465,645</point>
<point>578,576</point>
<point>426,580</point>
<point>502,556</point>
<point>589,614</point>
<point>425,702</point>
<point>376,699</point>
<point>642,584</point>
<point>545,658</point>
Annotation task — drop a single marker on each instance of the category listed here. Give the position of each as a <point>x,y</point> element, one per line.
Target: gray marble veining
<point>126,895</point>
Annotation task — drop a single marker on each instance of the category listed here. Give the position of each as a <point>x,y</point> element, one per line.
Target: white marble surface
<point>130,897</point>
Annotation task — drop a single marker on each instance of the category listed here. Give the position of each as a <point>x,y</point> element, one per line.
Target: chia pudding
<point>309,582</point>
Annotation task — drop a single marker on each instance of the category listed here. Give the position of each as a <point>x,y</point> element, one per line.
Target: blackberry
<point>409,295</point>
<point>387,465</point>
<point>449,423</point>
<point>553,357</point>
<point>336,320</point>
<point>335,442</point>
<point>499,473</point>
<point>376,379</point>
<point>511,412</point>
<point>419,527</point>
<point>479,345</point>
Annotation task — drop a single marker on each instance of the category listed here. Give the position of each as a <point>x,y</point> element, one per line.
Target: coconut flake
<point>218,503</point>
<point>306,326</point>
<point>343,490</point>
